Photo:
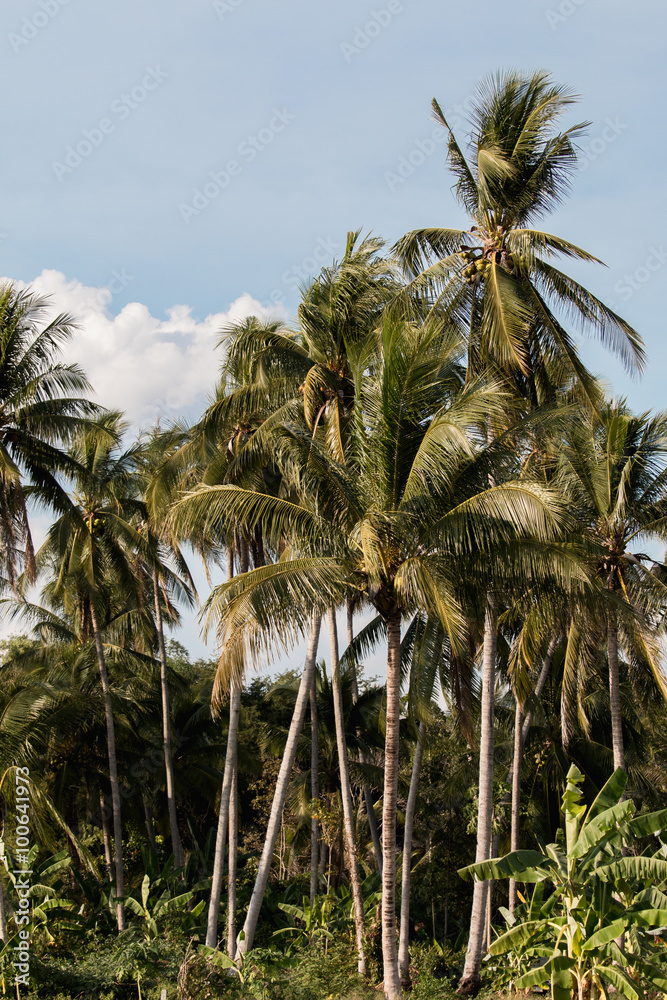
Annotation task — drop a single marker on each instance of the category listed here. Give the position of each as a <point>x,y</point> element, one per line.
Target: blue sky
<point>168,165</point>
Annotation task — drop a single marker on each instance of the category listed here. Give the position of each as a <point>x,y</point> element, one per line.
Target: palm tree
<point>93,545</point>
<point>282,782</point>
<point>346,792</point>
<point>152,455</point>
<point>41,408</point>
<point>496,280</point>
<point>428,662</point>
<point>394,524</point>
<point>263,366</point>
<point>616,474</point>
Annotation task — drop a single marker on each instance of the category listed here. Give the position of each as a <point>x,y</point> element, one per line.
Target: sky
<point>171,166</point>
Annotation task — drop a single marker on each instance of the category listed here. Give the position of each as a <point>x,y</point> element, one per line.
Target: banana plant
<point>44,884</point>
<point>138,954</point>
<point>598,926</point>
<point>311,922</point>
<point>152,912</point>
<point>329,913</point>
<point>257,970</point>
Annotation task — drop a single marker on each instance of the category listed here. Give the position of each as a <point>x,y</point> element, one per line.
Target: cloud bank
<point>147,367</point>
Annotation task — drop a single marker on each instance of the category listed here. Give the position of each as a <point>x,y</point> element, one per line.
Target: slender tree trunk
<point>4,937</point>
<point>516,796</point>
<point>470,980</point>
<point>176,845</point>
<point>280,793</point>
<point>232,865</point>
<point>346,795</point>
<point>523,736</point>
<point>223,815</point>
<point>314,790</point>
<point>148,815</point>
<point>392,985</point>
<point>404,937</point>
<point>227,781</point>
<point>113,768</point>
<point>615,693</point>
<point>368,795</point>
<point>106,838</point>
<point>539,687</point>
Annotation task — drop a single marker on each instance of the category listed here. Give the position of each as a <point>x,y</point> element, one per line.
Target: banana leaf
<point>524,865</point>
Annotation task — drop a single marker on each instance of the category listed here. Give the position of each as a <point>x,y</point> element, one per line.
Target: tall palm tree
<point>42,406</point>
<point>616,475</point>
<point>267,373</point>
<point>496,280</point>
<point>394,524</point>
<point>346,792</point>
<point>93,545</point>
<point>214,454</point>
<point>152,455</point>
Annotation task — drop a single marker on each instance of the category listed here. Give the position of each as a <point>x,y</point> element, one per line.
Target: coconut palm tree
<point>616,474</point>
<point>393,524</point>
<point>93,546</point>
<point>212,455</point>
<point>152,454</point>
<point>41,408</point>
<point>498,282</point>
<point>260,385</point>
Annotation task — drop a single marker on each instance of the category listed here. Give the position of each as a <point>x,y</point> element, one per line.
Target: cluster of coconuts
<point>476,267</point>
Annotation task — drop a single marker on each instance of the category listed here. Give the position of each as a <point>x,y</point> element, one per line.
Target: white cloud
<point>137,363</point>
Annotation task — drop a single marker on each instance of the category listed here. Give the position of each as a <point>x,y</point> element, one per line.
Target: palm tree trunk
<point>519,744</point>
<point>539,687</point>
<point>223,815</point>
<point>346,795</point>
<point>113,767</point>
<point>470,980</point>
<point>106,838</point>
<point>280,792</point>
<point>176,845</point>
<point>227,781</point>
<point>615,693</point>
<point>516,796</point>
<point>148,815</point>
<point>4,937</point>
<point>368,796</point>
<point>404,937</point>
<point>314,790</point>
<point>392,985</point>
<point>231,873</point>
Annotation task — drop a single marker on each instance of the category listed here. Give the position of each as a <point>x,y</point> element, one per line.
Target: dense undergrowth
<point>90,971</point>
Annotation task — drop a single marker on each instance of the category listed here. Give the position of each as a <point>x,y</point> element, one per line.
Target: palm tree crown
<point>41,408</point>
